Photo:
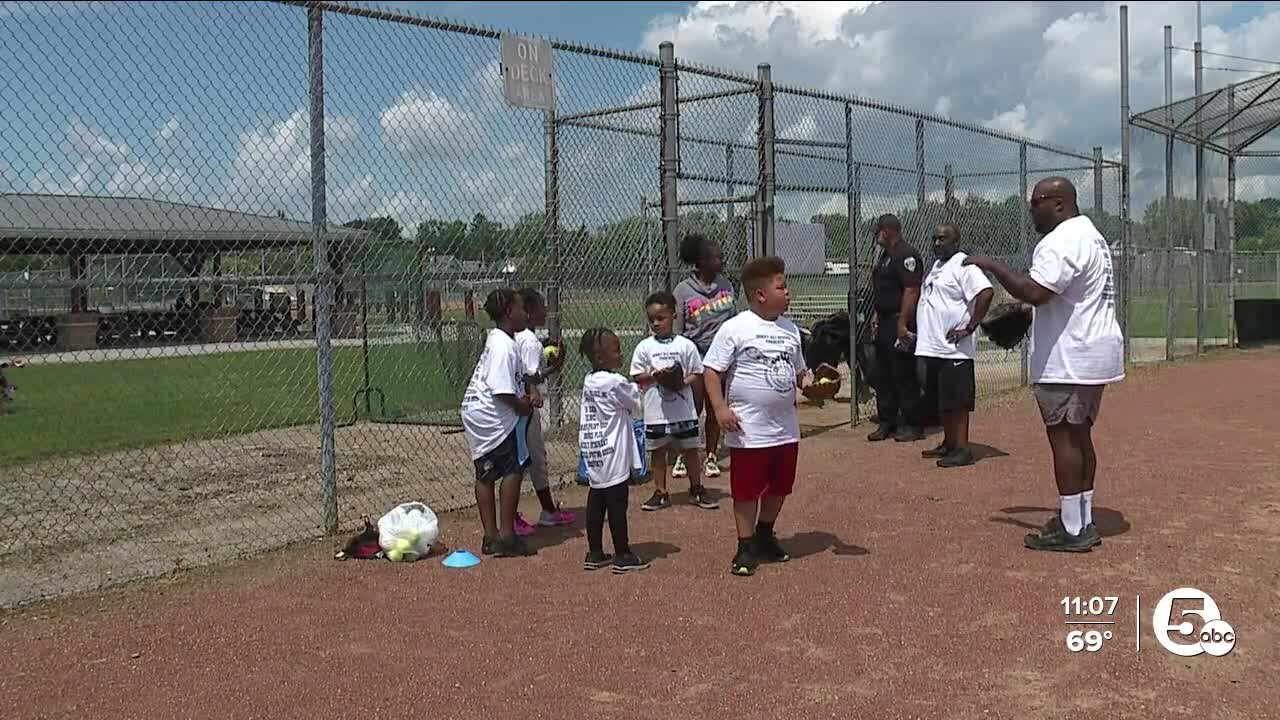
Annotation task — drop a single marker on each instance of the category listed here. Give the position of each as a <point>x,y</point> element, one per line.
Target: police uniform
<point>897,384</point>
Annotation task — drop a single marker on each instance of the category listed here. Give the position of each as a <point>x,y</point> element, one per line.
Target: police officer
<point>896,281</point>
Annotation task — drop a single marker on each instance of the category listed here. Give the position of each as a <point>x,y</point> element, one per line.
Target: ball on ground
<point>403,545</point>
<point>394,555</point>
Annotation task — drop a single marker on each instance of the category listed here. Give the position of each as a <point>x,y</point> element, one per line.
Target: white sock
<point>1086,507</point>
<point>1071,507</point>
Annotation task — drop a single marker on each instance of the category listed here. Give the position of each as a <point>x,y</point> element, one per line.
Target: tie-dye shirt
<point>701,308</point>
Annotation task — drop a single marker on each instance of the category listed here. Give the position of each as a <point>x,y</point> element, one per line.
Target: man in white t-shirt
<point>1077,349</point>
<point>954,299</point>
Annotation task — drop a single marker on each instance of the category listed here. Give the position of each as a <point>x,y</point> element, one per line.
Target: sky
<point>207,102</point>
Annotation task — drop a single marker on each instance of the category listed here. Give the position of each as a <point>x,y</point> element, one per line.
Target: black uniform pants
<point>896,381</point>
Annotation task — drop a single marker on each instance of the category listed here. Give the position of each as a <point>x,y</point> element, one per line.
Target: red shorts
<point>759,472</point>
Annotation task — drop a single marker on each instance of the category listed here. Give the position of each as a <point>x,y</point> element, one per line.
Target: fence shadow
<point>806,544</point>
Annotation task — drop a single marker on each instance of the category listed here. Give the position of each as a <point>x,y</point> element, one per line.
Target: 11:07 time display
<point>1089,606</point>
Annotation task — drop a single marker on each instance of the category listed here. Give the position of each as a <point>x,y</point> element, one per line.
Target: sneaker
<point>698,496</point>
<point>511,547</point>
<point>957,458</point>
<point>559,517</point>
<point>909,434</point>
<point>522,526</point>
<point>744,564</point>
<point>769,550</point>
<point>941,451</point>
<point>678,470</point>
<point>659,501</point>
<point>597,560</point>
<point>711,468</point>
<point>488,546</point>
<point>884,432</point>
<point>1054,538</point>
<point>628,562</point>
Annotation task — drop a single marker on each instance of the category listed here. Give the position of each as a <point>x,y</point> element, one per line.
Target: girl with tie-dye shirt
<point>704,301</point>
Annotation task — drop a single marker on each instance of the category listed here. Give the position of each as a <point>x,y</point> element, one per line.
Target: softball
<point>550,352</point>
<point>403,545</point>
<point>394,554</point>
<point>825,381</point>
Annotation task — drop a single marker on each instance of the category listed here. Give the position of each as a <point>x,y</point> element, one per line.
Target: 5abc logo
<point>1216,636</point>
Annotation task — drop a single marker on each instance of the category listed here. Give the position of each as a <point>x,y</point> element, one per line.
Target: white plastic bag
<point>408,531</point>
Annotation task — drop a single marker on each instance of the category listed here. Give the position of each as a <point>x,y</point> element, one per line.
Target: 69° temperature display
<point>1087,640</point>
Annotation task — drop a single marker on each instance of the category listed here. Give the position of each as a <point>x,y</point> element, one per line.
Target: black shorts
<point>501,461</point>
<point>951,382</point>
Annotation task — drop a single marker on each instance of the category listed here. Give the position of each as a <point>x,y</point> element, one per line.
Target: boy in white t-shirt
<point>1077,349</point>
<point>666,365</point>
<point>954,298</point>
<point>751,373</point>
<point>537,367</point>
<point>494,401</point>
<point>607,441</point>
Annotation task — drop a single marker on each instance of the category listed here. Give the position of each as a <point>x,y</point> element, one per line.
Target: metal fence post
<point>323,269</point>
<point>765,142</point>
<point>1170,330</point>
<point>1098,206</point>
<point>852,179</point>
<point>1231,249</point>
<point>729,210</point>
<point>1024,248</point>
<point>670,161</point>
<point>1126,238</point>
<point>551,236</point>
<point>1202,266</point>
<point>919,164</point>
<point>948,194</point>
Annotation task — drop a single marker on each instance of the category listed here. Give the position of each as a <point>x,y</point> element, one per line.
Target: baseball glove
<point>1007,324</point>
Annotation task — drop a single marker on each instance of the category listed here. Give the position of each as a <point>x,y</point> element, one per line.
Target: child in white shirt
<point>538,367</point>
<point>751,372</point>
<point>666,365</point>
<point>606,437</point>
<point>494,401</point>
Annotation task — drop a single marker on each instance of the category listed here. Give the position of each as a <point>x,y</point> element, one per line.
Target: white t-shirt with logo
<point>532,361</point>
<point>662,406</point>
<point>946,303</point>
<point>760,362</point>
<point>606,430</point>
<point>488,421</point>
<point>1075,337</point>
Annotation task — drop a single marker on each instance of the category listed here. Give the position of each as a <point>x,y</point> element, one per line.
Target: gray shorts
<point>1073,404</point>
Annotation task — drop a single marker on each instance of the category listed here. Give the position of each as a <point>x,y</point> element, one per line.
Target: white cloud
<point>424,125</point>
<point>272,166</point>
<point>1046,70</point>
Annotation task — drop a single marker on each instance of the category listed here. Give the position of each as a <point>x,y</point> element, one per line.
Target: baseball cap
<point>888,222</point>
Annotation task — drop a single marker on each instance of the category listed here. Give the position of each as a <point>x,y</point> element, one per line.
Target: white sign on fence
<point>528,78</point>
<point>1210,231</point>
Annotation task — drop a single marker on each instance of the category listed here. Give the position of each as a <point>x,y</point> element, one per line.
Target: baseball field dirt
<point>909,595</point>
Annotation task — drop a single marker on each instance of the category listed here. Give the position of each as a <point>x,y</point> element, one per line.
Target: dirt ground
<point>909,596</point>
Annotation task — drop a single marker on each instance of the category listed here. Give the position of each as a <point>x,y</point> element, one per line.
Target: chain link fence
<point>245,250</point>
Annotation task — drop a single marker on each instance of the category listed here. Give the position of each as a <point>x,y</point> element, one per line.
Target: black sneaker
<point>488,545</point>
<point>909,434</point>
<point>597,560</point>
<point>957,458</point>
<point>884,432</point>
<point>941,451</point>
<point>628,562</point>
<point>657,502</point>
<point>513,546</point>
<point>698,496</point>
<point>1091,533</point>
<point>767,549</point>
<point>744,564</point>
<point>1055,538</point>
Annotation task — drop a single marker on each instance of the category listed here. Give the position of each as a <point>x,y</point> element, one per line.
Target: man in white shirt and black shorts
<point>1077,349</point>
<point>954,298</point>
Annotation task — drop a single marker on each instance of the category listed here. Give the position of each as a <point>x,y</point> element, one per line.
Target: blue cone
<point>461,559</point>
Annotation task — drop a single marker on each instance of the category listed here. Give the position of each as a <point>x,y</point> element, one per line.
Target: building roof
<point>1228,120</point>
<point>64,224</point>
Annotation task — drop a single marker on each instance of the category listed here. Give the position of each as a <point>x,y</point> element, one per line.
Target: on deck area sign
<point>528,78</point>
